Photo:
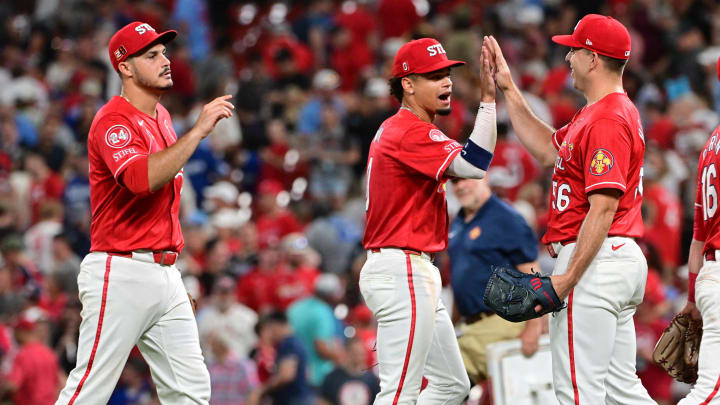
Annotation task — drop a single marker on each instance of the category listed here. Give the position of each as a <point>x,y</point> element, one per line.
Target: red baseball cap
<point>422,55</point>
<point>133,38</point>
<point>269,186</point>
<point>599,33</point>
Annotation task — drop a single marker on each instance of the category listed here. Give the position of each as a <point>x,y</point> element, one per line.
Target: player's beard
<point>149,84</point>
<point>444,111</point>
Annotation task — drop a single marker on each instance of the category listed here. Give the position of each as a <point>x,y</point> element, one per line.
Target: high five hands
<point>487,78</point>
<point>497,64</point>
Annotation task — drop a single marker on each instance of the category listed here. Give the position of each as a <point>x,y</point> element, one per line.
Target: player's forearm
<point>164,165</point>
<point>533,133</point>
<point>695,257</point>
<point>592,234</point>
<point>475,158</point>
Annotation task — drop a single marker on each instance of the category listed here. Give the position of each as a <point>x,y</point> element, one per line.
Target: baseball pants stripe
<point>571,349</point>
<point>395,286</point>
<point>593,340</point>
<point>135,303</point>
<point>98,333</point>
<point>712,394</point>
<point>412,328</point>
<point>707,298</point>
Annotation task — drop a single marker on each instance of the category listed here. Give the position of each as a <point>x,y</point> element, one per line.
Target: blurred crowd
<point>273,206</point>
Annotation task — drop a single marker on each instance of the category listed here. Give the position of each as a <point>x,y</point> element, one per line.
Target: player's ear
<point>408,84</point>
<point>125,69</point>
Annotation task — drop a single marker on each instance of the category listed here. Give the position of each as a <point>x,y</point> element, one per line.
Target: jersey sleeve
<point>428,150</point>
<point>117,143</point>
<point>559,136</point>
<point>698,220</point>
<point>607,156</point>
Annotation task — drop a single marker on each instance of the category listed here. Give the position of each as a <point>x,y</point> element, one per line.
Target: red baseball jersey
<point>601,147</point>
<point>405,176</point>
<point>707,222</point>
<point>122,221</point>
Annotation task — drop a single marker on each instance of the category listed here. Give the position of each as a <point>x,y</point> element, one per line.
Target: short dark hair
<point>614,64</point>
<point>396,89</point>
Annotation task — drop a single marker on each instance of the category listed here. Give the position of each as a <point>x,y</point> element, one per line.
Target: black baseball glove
<point>514,295</point>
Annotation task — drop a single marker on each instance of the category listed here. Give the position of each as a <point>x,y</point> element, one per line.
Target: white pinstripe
<point>606,182</point>
<point>124,163</point>
<point>442,166</point>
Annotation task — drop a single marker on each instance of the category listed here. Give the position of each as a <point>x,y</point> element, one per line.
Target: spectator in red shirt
<point>361,318</point>
<point>397,17</point>
<point>273,222</point>
<point>280,162</point>
<point>296,280</point>
<point>512,167</point>
<point>34,378</point>
<point>55,298</point>
<point>349,58</point>
<point>46,184</point>
<point>255,289</point>
<point>662,213</point>
<point>649,326</point>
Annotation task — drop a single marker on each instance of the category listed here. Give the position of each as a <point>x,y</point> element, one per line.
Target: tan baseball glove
<point>678,348</point>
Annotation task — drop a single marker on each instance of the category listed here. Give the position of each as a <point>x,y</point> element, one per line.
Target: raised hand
<point>503,77</point>
<point>213,112</point>
<point>487,75</point>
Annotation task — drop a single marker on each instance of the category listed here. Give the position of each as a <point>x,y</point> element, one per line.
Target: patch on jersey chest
<point>438,136</point>
<point>565,151</point>
<point>118,136</point>
<point>475,233</point>
<point>602,161</point>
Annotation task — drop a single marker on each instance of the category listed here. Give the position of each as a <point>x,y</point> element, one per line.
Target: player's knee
<point>464,389</point>
<point>459,390</point>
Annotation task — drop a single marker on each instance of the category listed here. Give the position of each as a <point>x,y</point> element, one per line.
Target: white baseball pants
<point>415,335</point>
<point>128,301</point>
<point>707,299</point>
<point>593,339</point>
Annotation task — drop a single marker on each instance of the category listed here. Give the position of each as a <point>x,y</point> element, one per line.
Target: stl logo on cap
<point>143,28</point>
<point>117,136</point>
<point>422,55</point>
<point>601,162</point>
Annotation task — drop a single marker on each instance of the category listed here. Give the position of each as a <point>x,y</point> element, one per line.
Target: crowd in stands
<point>273,201</point>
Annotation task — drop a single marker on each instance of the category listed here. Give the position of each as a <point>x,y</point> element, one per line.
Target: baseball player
<point>704,274</point>
<point>130,289</point>
<point>409,161</point>
<point>594,216</point>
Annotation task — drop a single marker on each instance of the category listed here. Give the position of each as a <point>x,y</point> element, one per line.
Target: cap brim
<point>566,40</point>
<point>441,65</point>
<point>166,36</point>
<point>162,38</point>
